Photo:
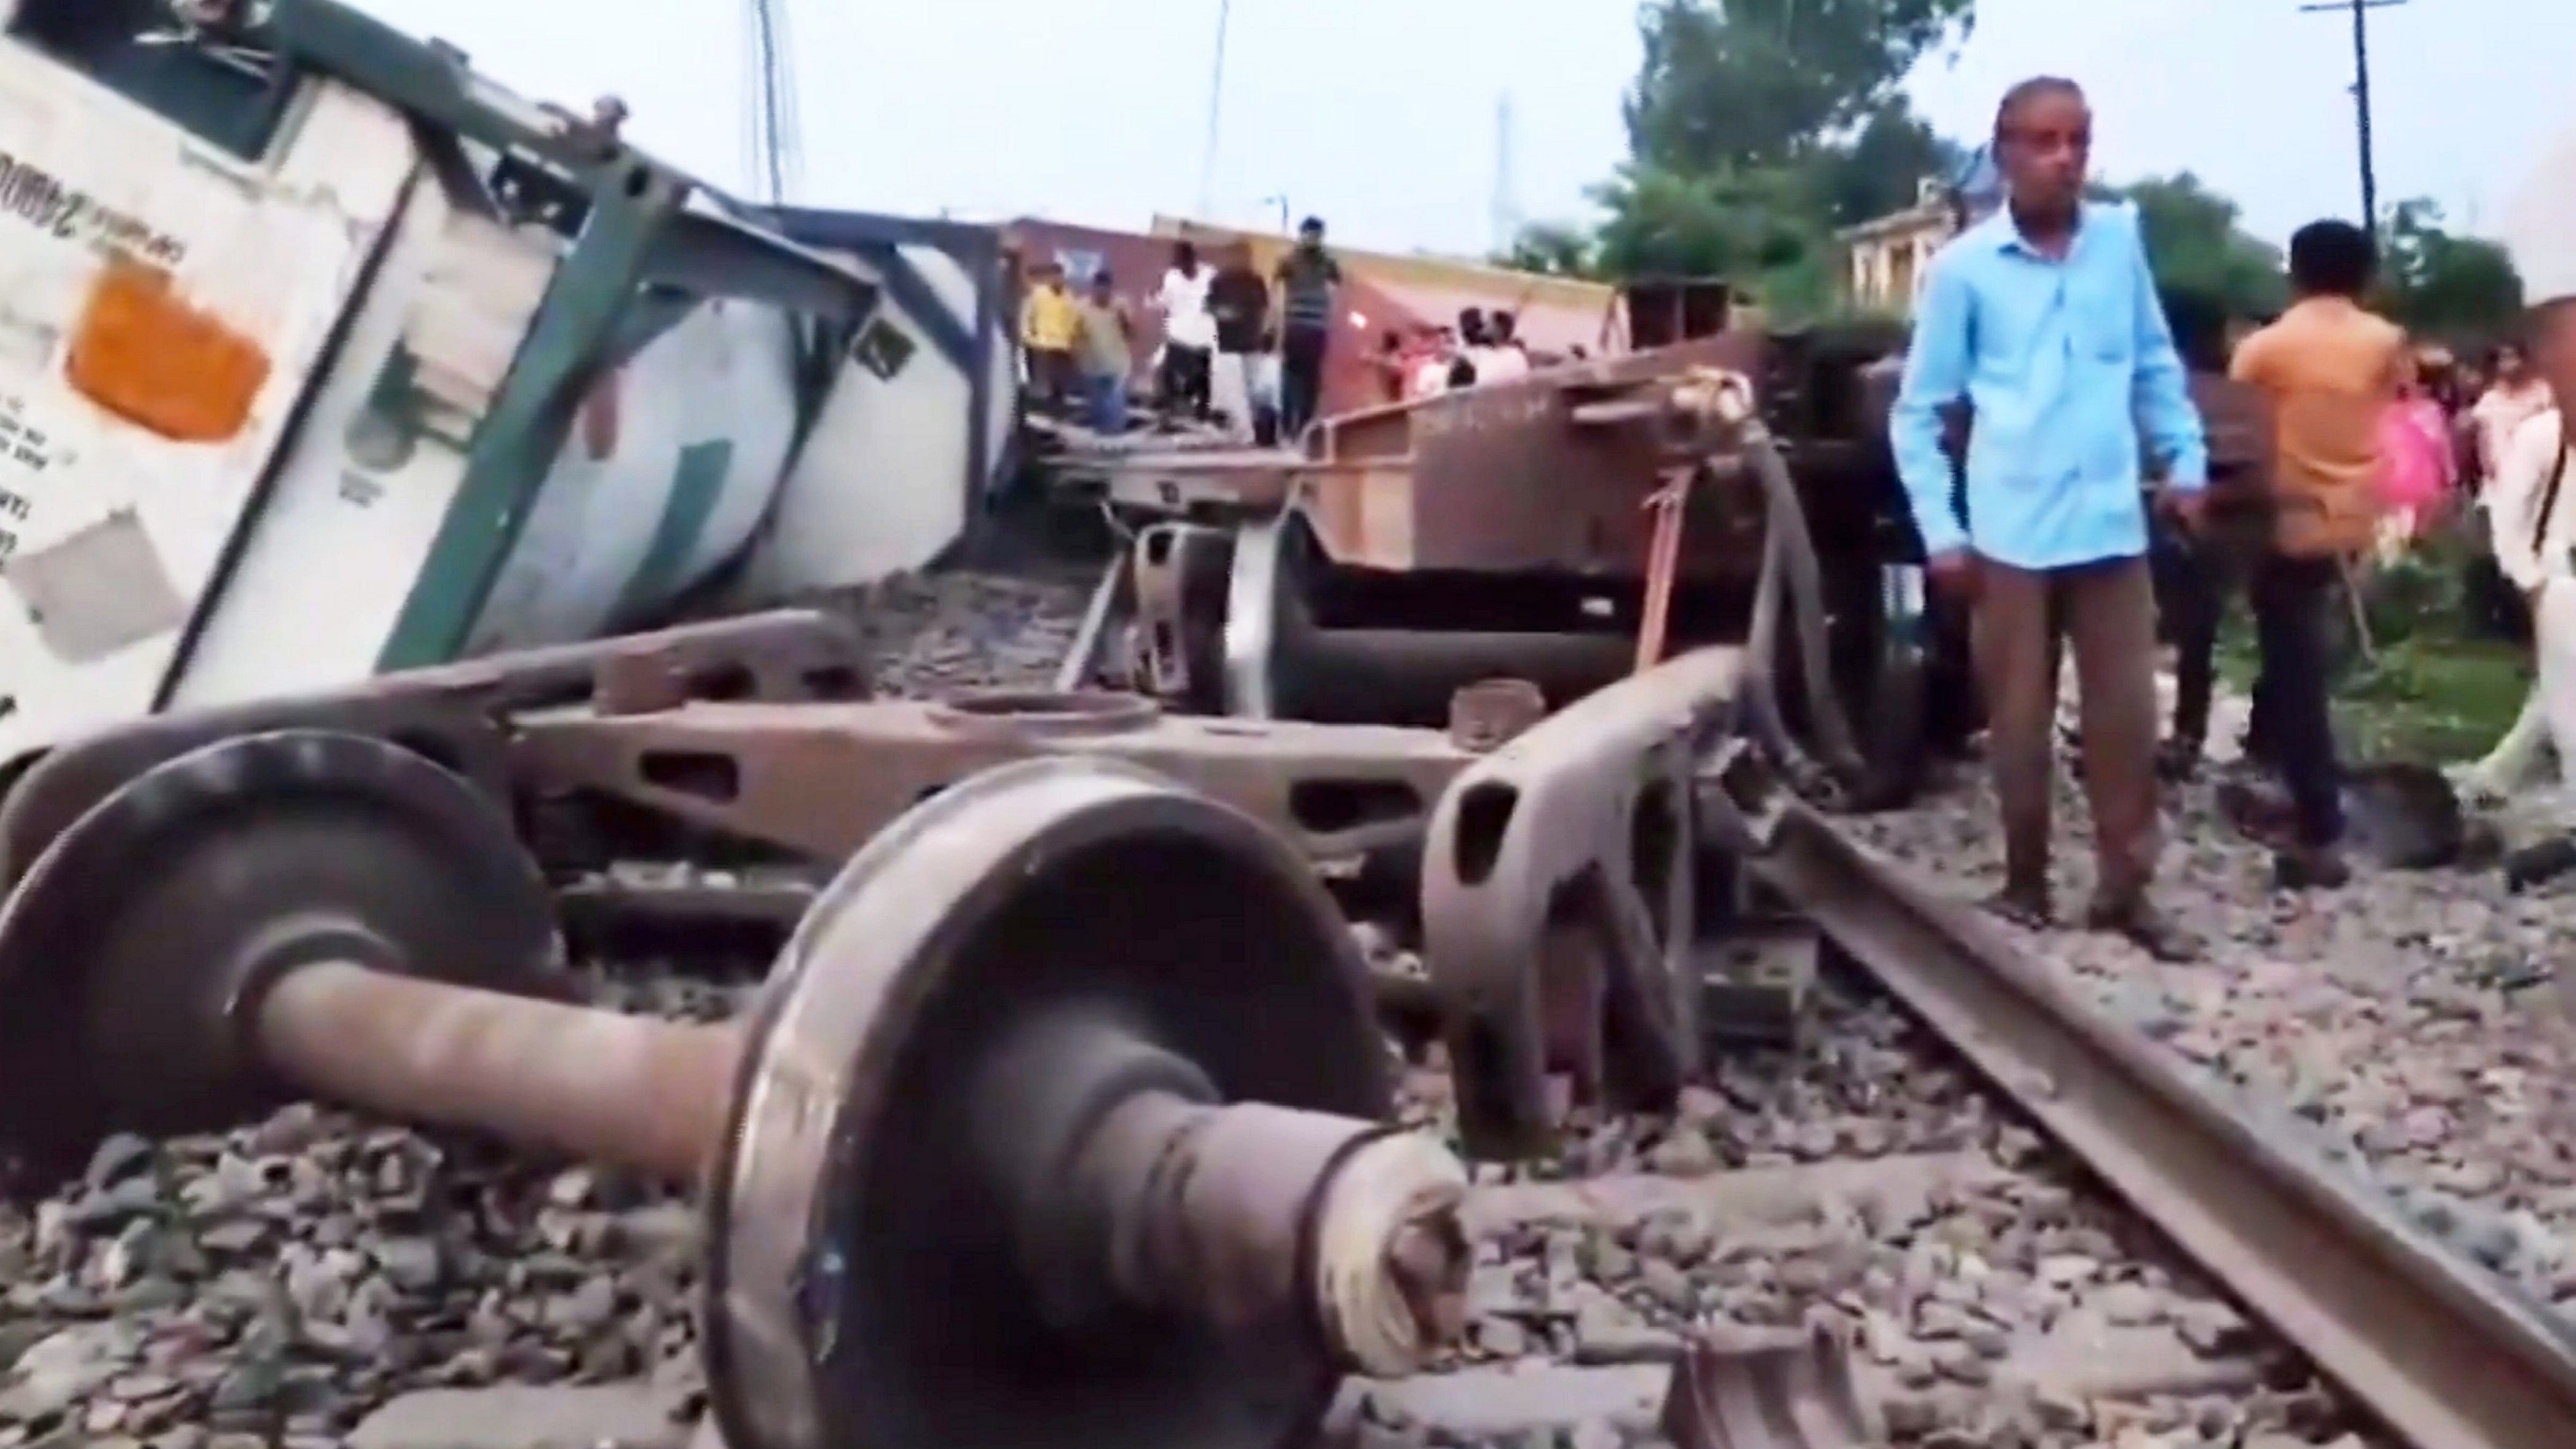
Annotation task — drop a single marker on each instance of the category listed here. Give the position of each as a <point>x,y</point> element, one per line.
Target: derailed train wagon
<point>1510,531</point>
<point>324,356</point>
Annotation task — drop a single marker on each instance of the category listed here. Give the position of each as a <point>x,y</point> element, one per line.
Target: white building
<point>1886,259</point>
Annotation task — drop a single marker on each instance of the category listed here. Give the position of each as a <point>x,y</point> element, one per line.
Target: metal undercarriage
<point>1001,1066</point>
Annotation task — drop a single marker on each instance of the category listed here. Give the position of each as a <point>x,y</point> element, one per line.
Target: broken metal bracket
<point>1755,1389</point>
<point>1559,903</point>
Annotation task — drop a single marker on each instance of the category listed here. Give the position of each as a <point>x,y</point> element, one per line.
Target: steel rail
<point>2444,1354</point>
<point>1091,638</point>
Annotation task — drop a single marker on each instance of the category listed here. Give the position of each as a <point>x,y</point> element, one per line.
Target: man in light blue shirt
<point>2044,319</point>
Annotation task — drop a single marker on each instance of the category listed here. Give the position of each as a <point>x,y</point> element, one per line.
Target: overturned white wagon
<point>322,356</point>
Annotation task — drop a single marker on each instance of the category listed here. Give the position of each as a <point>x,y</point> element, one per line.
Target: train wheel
<point>1877,639</point>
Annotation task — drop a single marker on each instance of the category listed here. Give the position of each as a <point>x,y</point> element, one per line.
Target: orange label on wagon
<point>145,354</point>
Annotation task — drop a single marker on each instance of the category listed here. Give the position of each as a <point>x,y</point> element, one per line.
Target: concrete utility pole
<point>1216,112</point>
<point>2360,11</point>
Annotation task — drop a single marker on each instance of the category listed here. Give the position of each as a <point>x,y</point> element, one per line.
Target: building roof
<point>1928,216</point>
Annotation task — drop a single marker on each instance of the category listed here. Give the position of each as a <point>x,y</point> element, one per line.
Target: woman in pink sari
<point>2417,469</point>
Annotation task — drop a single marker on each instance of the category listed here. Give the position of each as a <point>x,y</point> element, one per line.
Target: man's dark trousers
<point>2291,595</point>
<point>1301,378</point>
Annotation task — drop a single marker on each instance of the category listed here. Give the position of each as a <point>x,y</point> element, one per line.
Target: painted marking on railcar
<point>38,197</point>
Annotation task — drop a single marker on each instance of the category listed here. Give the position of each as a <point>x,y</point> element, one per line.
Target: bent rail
<point>2445,1355</point>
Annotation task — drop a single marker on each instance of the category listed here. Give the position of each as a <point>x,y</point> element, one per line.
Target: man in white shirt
<point>1430,374</point>
<point>1504,357</point>
<point>1189,334</point>
<point>2533,524</point>
<point>2515,397</point>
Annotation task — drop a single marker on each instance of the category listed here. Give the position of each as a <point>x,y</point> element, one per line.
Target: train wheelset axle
<point>1058,1119</point>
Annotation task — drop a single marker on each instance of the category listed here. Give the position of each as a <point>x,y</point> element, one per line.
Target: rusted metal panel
<point>1664,310</point>
<point>453,713</point>
<point>1504,477</point>
<point>1548,473</point>
<point>821,779</point>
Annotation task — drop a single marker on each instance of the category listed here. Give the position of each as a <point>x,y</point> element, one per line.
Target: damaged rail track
<point>2439,1351</point>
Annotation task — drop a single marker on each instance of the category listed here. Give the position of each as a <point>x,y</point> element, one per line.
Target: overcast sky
<point>1381,114</point>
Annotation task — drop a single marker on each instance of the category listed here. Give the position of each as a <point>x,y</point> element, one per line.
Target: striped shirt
<point>1307,280</point>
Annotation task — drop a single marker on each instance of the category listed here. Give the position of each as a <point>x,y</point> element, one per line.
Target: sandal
<point>2028,909</point>
<point>2145,927</point>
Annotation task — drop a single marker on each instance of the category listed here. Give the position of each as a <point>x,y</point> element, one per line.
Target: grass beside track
<point>2432,689</point>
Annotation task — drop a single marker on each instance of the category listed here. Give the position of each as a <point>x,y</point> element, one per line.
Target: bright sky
<point>1380,115</point>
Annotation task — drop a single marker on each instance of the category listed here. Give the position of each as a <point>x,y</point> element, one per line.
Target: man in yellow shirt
<point>2330,371</point>
<point>1050,326</point>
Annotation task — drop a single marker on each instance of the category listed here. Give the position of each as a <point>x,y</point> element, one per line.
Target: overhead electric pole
<point>774,138</point>
<point>2360,11</point>
<point>1215,114</point>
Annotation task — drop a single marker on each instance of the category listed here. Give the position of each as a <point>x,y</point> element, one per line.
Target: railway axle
<point>991,1158</point>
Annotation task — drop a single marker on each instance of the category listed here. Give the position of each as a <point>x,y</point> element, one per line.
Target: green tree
<point>1741,83</point>
<point>2438,284</point>
<point>1882,168</point>
<point>1552,248</point>
<point>1755,127</point>
<point>1760,229</point>
<point>2198,250</point>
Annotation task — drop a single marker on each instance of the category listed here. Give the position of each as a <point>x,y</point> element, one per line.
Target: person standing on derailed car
<point>2044,319</point>
<point>1307,280</point>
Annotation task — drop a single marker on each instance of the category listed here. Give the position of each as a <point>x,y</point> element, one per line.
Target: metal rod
<point>633,1091</point>
<point>1082,660</point>
<point>1205,1208</point>
<point>1338,676</point>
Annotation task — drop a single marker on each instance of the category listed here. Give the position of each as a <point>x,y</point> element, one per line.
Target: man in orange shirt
<point>2330,371</point>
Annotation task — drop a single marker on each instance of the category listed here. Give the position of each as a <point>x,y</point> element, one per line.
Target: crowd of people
<point>1430,359</point>
<point>1239,350</point>
<point>2041,327</point>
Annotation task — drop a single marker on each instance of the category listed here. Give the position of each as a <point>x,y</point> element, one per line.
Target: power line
<point>2360,12</point>
<point>1216,112</point>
